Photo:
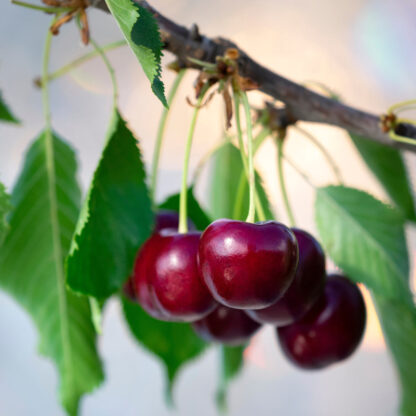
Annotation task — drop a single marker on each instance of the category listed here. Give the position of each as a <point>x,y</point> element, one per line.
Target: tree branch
<point>301,103</point>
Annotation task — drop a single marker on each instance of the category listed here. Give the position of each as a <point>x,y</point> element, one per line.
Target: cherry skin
<point>143,291</point>
<point>174,283</point>
<point>137,287</point>
<point>225,325</point>
<point>169,219</point>
<point>307,286</point>
<point>247,266</point>
<point>331,331</point>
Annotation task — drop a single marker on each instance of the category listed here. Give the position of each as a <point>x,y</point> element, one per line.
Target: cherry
<point>169,219</point>
<point>307,286</point>
<point>226,325</point>
<point>173,281</point>
<point>140,283</point>
<point>137,287</point>
<point>330,331</point>
<point>247,266</point>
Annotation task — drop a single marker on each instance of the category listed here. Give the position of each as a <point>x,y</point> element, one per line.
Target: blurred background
<point>363,49</point>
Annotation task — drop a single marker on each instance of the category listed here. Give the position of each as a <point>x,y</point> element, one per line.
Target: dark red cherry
<point>330,331</point>
<point>140,282</point>
<point>169,219</point>
<point>137,287</point>
<point>226,325</point>
<point>173,277</point>
<point>307,286</point>
<point>247,266</point>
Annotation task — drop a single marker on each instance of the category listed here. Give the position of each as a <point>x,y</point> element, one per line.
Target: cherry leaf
<point>116,218</point>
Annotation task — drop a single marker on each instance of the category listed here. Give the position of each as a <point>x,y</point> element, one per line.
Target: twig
<point>301,103</point>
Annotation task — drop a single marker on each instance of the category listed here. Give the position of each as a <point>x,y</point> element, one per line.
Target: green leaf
<point>398,321</point>
<point>46,205</point>
<point>141,31</point>
<point>365,238</point>
<point>116,218</point>
<point>226,174</point>
<point>195,212</point>
<point>4,209</point>
<point>389,168</point>
<point>5,113</point>
<point>231,365</point>
<point>174,344</point>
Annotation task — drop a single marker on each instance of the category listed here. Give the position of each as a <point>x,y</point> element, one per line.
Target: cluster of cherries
<point>236,276</point>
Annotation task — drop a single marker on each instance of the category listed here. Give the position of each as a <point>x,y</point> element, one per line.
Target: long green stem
<point>251,174</point>
<point>237,103</point>
<point>82,59</point>
<point>401,105</point>
<point>283,183</point>
<point>239,198</point>
<point>256,144</point>
<point>110,69</point>
<point>161,131</point>
<point>296,168</point>
<point>45,87</point>
<point>406,120</point>
<point>401,139</point>
<point>325,153</point>
<point>183,199</point>
<point>46,9</point>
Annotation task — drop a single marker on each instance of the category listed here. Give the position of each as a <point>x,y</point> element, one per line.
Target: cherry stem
<point>296,168</point>
<point>183,198</point>
<point>160,133</point>
<point>82,59</point>
<point>282,182</point>
<point>408,108</point>
<point>239,199</point>
<point>241,186</point>
<point>110,69</point>
<point>402,139</point>
<point>240,131</point>
<point>257,142</point>
<point>405,120</point>
<point>325,153</point>
<point>237,212</point>
<point>46,9</point>
<point>251,174</point>
<point>107,63</point>
<point>401,106</point>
